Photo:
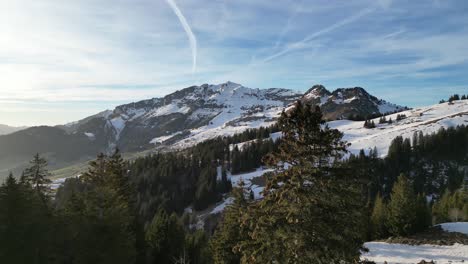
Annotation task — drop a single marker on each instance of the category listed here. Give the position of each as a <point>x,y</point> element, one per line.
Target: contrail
<point>188,30</point>
<point>300,44</point>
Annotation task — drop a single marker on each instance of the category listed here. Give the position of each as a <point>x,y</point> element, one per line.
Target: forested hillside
<point>318,203</point>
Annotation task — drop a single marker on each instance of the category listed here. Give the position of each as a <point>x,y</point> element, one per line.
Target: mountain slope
<point>426,119</point>
<point>343,103</point>
<point>178,120</point>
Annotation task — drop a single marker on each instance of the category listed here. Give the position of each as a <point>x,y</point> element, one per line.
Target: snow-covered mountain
<point>5,130</point>
<point>186,116</point>
<point>426,119</point>
<point>197,113</point>
<point>343,103</point>
<point>178,120</point>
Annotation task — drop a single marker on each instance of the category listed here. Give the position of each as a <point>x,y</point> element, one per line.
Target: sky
<point>61,61</point>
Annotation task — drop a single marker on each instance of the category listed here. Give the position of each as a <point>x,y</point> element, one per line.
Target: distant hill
<point>5,130</point>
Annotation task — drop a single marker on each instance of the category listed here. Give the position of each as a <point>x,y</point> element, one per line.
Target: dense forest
<point>317,205</point>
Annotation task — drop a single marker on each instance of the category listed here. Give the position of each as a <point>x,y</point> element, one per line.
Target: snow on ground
<point>220,207</point>
<point>426,119</point>
<point>164,138</point>
<point>170,109</point>
<point>57,183</point>
<point>380,252</point>
<point>90,135</point>
<point>118,123</point>
<point>460,227</point>
<point>238,102</point>
<point>385,107</point>
<point>247,177</point>
<point>236,179</point>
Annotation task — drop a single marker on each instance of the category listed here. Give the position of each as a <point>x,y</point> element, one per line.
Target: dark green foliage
<point>402,208</point>
<point>369,124</point>
<point>98,219</point>
<point>165,238</point>
<point>312,210</point>
<point>230,232</point>
<point>37,175</point>
<point>400,117</point>
<point>423,214</point>
<point>25,219</point>
<point>197,248</point>
<point>174,181</point>
<point>379,219</point>
<point>431,162</point>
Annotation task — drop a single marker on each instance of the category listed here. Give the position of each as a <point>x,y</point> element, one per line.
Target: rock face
<point>178,120</point>
<point>142,125</point>
<point>345,102</point>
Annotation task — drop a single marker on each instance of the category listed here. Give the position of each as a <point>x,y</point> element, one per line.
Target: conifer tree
<point>423,214</point>
<point>230,232</point>
<point>165,237</point>
<point>104,214</point>
<point>379,218</point>
<point>311,210</point>
<point>37,175</point>
<point>402,208</point>
<point>24,224</point>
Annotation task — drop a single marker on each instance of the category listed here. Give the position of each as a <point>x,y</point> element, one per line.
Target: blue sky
<point>64,60</point>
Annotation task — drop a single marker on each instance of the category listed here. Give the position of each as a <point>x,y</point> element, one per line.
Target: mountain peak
<point>317,91</point>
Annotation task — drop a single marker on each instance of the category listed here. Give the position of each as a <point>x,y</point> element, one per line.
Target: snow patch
<point>460,227</point>
<point>381,252</point>
<point>91,136</point>
<point>159,140</point>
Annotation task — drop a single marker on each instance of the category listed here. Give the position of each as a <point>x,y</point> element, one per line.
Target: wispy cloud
<point>93,55</point>
<point>303,43</point>
<point>188,30</point>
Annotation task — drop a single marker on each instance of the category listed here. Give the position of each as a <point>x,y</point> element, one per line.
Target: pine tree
<point>423,214</point>
<point>402,208</point>
<point>225,242</point>
<point>165,237</point>
<point>37,175</point>
<point>311,210</point>
<point>379,218</point>
<point>24,224</point>
<point>103,215</point>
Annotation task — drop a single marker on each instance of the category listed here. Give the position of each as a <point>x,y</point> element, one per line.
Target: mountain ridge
<point>178,120</point>
<point>6,129</point>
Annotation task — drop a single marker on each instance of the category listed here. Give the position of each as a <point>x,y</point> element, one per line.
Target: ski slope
<point>426,119</point>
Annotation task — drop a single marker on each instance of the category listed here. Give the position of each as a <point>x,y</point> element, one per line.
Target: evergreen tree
<point>101,217</point>
<point>379,218</point>
<point>197,248</point>
<point>311,210</point>
<point>165,237</point>
<point>230,232</point>
<point>423,214</point>
<point>402,208</point>
<point>24,224</point>
<point>37,175</point>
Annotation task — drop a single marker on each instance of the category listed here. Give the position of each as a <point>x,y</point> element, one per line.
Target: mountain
<point>176,121</point>
<point>344,103</point>
<point>5,130</point>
